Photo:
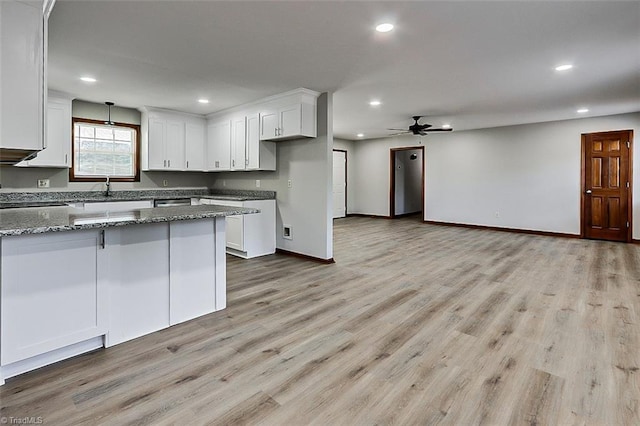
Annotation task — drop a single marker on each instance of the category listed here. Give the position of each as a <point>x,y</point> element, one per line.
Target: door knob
<point>588,191</point>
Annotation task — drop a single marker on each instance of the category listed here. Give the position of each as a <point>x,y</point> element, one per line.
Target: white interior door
<point>339,184</point>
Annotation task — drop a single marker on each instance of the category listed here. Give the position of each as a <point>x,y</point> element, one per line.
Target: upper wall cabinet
<point>57,151</point>
<point>172,141</point>
<point>239,143</point>
<point>219,145</point>
<point>22,68</point>
<point>195,140</point>
<point>261,155</point>
<point>289,117</point>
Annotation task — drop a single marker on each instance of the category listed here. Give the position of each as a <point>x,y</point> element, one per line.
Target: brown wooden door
<point>606,186</point>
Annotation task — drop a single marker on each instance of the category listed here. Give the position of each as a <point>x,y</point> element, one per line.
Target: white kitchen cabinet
<point>289,117</point>
<point>195,146</point>
<point>57,152</point>
<point>46,304</point>
<point>239,143</point>
<point>219,146</point>
<point>23,71</point>
<point>251,235</point>
<point>175,145</point>
<point>261,155</point>
<point>166,144</point>
<point>172,140</point>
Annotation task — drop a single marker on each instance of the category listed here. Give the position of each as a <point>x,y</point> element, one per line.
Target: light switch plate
<point>43,183</point>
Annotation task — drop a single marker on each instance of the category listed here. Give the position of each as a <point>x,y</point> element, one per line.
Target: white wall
<point>370,180</point>
<point>307,205</point>
<point>349,146</point>
<point>528,174</point>
<point>408,178</point>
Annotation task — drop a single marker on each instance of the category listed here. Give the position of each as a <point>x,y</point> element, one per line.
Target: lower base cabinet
<point>54,293</point>
<point>250,235</point>
<point>65,293</point>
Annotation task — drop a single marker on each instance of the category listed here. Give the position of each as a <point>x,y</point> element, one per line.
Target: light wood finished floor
<point>414,324</point>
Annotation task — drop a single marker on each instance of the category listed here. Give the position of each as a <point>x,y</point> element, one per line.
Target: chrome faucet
<point>108,184</point>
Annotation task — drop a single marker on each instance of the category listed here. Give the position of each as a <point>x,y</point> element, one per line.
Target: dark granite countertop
<point>36,220</point>
<point>59,198</point>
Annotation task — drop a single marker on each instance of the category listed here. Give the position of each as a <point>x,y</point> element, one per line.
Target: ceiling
<point>473,64</point>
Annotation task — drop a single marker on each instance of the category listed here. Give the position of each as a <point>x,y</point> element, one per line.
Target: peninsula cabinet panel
<point>53,292</point>
<point>139,281</point>
<point>193,264</point>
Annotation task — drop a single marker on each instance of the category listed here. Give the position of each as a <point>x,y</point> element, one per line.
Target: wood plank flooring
<point>413,324</point>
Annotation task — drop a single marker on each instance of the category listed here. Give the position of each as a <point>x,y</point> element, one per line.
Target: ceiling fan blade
<point>438,130</point>
<point>401,130</point>
<point>399,133</point>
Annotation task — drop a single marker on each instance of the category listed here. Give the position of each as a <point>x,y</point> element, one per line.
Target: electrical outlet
<point>289,183</point>
<point>287,232</point>
<point>257,183</point>
<point>165,182</point>
<point>43,183</point>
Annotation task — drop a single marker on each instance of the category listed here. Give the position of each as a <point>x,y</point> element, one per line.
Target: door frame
<point>346,181</point>
<point>583,183</point>
<point>392,179</point>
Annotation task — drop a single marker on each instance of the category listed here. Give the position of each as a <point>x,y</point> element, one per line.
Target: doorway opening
<point>339,183</point>
<point>605,203</point>
<point>406,181</point>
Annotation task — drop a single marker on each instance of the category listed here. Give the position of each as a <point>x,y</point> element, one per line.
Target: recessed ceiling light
<point>384,28</point>
<point>375,103</point>
<point>88,79</point>
<point>446,126</point>
<point>564,67</point>
<point>360,135</point>
<point>203,101</point>
<point>582,110</point>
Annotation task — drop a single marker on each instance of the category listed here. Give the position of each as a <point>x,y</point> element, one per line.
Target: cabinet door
<point>290,121</point>
<point>219,146</point>
<point>58,136</point>
<point>253,142</point>
<point>23,79</point>
<point>238,144</point>
<point>157,134</point>
<point>269,125</point>
<point>194,146</point>
<point>174,145</point>
<point>235,232</point>
<point>53,292</point>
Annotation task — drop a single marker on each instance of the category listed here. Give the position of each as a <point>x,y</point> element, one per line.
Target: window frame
<point>136,156</point>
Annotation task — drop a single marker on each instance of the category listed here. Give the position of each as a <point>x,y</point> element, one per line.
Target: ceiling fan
<point>419,129</point>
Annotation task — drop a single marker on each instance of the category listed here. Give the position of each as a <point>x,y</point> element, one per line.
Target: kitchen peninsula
<point>74,280</point>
